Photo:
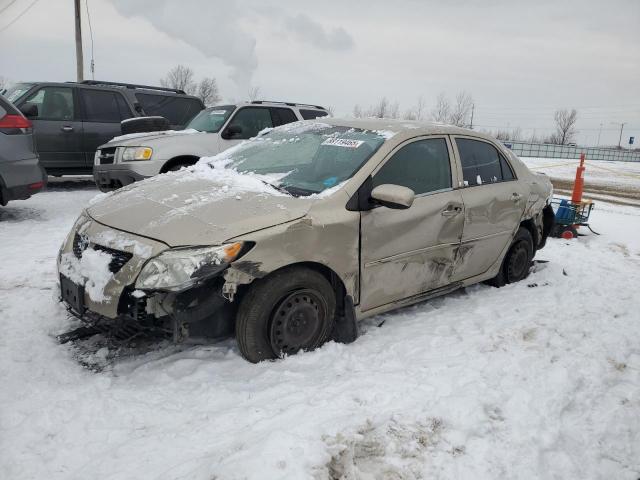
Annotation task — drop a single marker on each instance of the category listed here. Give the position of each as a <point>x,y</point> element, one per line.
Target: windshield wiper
<point>280,188</point>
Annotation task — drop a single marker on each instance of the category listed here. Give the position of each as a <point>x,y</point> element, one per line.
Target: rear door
<point>408,252</point>
<point>57,128</point>
<point>494,202</point>
<point>103,110</point>
<point>245,123</point>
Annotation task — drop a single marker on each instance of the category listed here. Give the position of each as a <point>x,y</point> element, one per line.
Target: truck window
<point>54,103</point>
<point>311,114</point>
<point>104,106</point>
<point>178,110</point>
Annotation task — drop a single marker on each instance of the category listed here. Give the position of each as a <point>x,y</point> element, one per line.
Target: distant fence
<point>548,150</point>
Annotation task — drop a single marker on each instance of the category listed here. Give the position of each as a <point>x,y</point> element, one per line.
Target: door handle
<point>67,128</point>
<point>516,197</point>
<point>451,211</point>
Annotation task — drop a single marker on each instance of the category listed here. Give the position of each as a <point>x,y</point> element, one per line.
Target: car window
<point>251,120</point>
<point>103,106</point>
<point>211,119</point>
<point>311,114</point>
<point>481,163</point>
<point>178,110</point>
<point>423,166</point>
<point>16,91</point>
<point>507,171</point>
<point>281,116</point>
<point>54,103</point>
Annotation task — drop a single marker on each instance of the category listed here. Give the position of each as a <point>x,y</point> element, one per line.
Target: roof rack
<point>132,85</point>
<point>289,104</point>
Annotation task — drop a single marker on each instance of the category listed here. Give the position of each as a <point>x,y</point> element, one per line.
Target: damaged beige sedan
<point>293,236</point>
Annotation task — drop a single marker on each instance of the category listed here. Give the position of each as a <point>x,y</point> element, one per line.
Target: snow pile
<point>118,241</point>
<point>92,271</point>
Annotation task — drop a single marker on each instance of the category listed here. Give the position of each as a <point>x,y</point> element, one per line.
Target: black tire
<point>144,124</point>
<point>303,302</point>
<point>517,262</point>
<point>177,166</point>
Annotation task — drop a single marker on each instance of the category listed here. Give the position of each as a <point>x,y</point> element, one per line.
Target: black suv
<point>70,120</point>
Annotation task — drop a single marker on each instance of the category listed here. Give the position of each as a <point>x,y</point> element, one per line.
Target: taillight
<point>15,124</point>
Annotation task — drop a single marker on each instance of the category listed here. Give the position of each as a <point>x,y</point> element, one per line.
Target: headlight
<point>96,157</point>
<point>181,268</point>
<point>136,153</point>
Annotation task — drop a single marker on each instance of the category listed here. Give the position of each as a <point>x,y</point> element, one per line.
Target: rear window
<point>178,110</point>
<point>311,114</point>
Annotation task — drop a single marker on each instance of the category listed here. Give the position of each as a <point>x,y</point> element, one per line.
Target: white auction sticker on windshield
<point>217,112</point>
<point>343,142</point>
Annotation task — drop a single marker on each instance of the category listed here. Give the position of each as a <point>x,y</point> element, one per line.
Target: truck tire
<point>291,310</point>
<point>144,124</point>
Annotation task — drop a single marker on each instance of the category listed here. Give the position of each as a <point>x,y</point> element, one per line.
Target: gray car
<point>20,172</point>
<point>291,237</point>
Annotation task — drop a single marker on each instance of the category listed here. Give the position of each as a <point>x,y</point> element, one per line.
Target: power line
<point>93,64</point>
<point>8,5</point>
<point>19,16</point>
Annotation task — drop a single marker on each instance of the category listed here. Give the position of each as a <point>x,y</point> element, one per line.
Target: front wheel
<point>288,311</point>
<point>516,263</point>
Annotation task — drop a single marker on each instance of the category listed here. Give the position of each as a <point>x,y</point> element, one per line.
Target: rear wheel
<point>288,311</point>
<point>516,263</point>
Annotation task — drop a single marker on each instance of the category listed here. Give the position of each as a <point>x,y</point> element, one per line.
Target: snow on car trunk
<point>539,379</point>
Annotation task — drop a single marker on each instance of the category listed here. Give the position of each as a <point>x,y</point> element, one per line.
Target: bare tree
<point>394,110</point>
<point>442,111</point>
<point>208,91</point>
<point>565,126</point>
<point>420,108</point>
<point>180,77</point>
<point>4,83</point>
<point>330,109</point>
<point>410,114</point>
<point>254,93</point>
<point>381,109</point>
<point>461,110</point>
<point>357,111</point>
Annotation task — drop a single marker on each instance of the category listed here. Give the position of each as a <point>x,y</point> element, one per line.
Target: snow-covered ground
<point>539,379</point>
<point>597,172</point>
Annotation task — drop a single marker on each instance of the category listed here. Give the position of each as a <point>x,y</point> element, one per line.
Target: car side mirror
<point>231,131</point>
<point>29,110</point>
<point>393,196</point>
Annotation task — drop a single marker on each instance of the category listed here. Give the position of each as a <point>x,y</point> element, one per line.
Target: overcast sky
<point>520,60</point>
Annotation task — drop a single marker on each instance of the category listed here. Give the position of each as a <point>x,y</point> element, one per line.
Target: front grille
<point>118,257</point>
<point>79,245</point>
<point>107,155</point>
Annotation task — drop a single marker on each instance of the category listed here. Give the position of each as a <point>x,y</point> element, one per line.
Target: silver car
<point>293,236</point>
<point>20,172</point>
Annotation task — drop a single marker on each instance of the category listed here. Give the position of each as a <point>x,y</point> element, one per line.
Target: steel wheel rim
<point>297,322</point>
<point>518,261</point>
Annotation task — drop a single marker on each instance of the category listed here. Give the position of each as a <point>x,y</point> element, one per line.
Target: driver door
<point>408,252</point>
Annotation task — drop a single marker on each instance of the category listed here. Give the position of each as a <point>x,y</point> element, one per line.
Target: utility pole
<point>621,128</point>
<point>473,107</point>
<point>599,133</point>
<point>79,58</point>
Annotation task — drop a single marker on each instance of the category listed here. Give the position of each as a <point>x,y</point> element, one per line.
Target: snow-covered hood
<point>137,139</point>
<point>183,208</point>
